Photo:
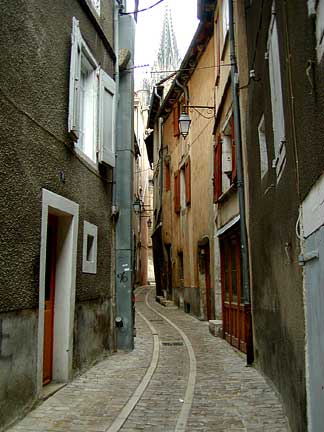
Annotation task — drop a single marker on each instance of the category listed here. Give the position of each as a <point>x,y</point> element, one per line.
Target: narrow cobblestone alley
<point>178,378</point>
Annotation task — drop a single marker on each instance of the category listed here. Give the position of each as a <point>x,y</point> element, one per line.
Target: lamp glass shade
<point>184,124</point>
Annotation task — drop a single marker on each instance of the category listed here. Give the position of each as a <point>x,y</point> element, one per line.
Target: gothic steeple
<point>168,57</point>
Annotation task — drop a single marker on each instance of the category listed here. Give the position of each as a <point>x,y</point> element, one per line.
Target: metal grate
<point>175,343</point>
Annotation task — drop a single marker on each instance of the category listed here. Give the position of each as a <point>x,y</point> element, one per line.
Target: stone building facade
<point>58,103</point>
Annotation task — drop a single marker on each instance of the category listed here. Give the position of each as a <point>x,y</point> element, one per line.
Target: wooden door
<point>235,315</point>
<point>49,298</point>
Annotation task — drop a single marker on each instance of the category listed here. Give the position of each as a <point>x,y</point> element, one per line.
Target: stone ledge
<point>216,327</point>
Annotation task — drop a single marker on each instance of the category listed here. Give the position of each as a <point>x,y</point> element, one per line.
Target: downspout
<point>114,210</point>
<point>160,121</point>
<point>240,182</point>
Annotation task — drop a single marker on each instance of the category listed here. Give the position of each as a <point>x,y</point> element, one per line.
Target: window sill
<point>93,166</point>
<point>227,194</point>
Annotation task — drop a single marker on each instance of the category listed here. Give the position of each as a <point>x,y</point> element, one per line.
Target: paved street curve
<point>178,378</point>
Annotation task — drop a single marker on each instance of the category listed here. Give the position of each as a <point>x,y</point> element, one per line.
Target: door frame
<point>235,314</point>
<point>67,235</point>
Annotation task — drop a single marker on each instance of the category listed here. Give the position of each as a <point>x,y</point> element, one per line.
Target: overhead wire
<point>142,10</point>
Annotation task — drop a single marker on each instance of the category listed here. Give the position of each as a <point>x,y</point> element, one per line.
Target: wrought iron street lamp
<point>184,119</point>
<point>184,124</point>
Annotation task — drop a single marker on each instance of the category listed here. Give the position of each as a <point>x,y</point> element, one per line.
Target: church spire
<point>168,57</point>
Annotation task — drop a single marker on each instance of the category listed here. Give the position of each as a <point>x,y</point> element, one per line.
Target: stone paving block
<point>228,396</point>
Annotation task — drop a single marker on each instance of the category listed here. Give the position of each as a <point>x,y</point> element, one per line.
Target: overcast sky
<point>149,27</point>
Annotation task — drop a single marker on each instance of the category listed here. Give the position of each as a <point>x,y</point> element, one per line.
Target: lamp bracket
<point>200,107</point>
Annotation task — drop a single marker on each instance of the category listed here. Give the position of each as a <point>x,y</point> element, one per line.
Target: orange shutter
<point>176,115</point>
<point>233,152</point>
<point>176,197</point>
<point>218,169</point>
<point>188,181</point>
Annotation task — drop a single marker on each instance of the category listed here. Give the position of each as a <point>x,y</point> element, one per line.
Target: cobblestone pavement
<point>224,394</point>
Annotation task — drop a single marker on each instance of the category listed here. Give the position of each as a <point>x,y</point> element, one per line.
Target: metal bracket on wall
<point>309,256</point>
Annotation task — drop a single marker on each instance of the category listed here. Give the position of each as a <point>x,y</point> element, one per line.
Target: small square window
<point>90,236</point>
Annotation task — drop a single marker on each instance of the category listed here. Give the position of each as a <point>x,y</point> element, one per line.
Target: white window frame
<point>90,231</point>
<point>264,163</point>
<point>319,10</point>
<point>227,152</point>
<point>96,5</point>
<point>225,20</point>
<point>99,143</point>
<point>278,117</point>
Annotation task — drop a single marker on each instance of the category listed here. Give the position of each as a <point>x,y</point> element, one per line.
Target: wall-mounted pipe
<point>240,177</point>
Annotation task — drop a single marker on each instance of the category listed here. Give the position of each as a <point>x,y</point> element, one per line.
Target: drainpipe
<point>160,121</point>
<point>113,198</point>
<point>240,181</point>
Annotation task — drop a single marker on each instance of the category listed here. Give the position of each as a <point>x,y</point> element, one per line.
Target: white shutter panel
<point>278,118</point>
<point>75,68</point>
<point>107,90</point>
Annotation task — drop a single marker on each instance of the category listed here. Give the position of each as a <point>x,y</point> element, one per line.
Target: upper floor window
<point>91,103</point>
<point>320,29</point>
<point>263,148</point>
<point>278,117</point>
<point>224,159</point>
<point>225,19</point>
<point>96,5</point>
<point>182,187</point>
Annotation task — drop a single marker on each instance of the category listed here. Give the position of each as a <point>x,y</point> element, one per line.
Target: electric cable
<point>142,10</point>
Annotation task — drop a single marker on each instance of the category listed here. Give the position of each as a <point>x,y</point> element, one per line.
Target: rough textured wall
<point>18,358</point>
<point>278,313</point>
<point>35,43</point>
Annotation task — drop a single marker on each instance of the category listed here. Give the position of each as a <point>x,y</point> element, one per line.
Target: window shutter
<point>233,150</point>
<point>107,89</point>
<point>218,169</point>
<point>167,177</point>
<point>177,192</point>
<point>217,29</point>
<point>176,115</point>
<point>188,181</point>
<point>74,93</point>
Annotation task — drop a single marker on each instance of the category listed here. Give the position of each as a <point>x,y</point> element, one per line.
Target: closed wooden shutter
<point>188,181</point>
<point>167,177</point>
<point>217,169</point>
<point>233,151</point>
<point>106,120</point>
<point>177,192</point>
<point>75,71</point>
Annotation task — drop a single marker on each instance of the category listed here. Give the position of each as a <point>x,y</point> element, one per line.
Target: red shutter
<point>233,152</point>
<point>188,181</point>
<point>176,197</point>
<point>218,169</point>
<point>176,115</point>
<point>167,177</point>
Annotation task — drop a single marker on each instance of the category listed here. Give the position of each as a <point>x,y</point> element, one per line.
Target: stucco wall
<point>35,44</point>
<point>278,312</point>
<point>184,230</point>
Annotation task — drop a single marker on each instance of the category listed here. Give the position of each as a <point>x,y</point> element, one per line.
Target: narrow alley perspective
<point>179,377</point>
<point>161,215</point>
